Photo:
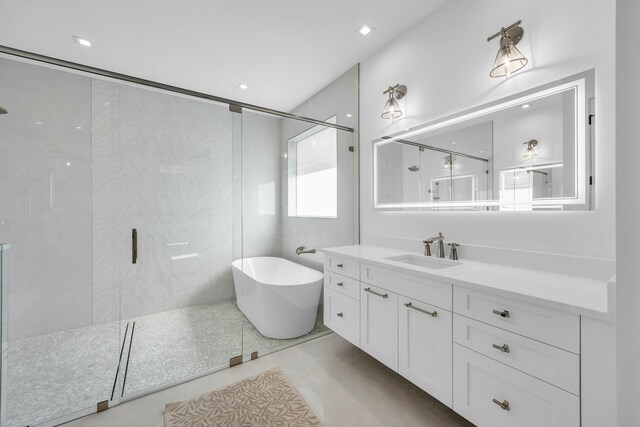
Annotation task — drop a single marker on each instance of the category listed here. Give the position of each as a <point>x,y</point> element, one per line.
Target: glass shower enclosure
<point>124,207</point>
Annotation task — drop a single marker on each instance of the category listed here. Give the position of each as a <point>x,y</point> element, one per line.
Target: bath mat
<point>267,399</point>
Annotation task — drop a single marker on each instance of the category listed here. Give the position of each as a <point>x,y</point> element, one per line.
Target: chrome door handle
<point>503,348</point>
<point>340,284</point>
<point>376,293</point>
<point>340,315</point>
<point>428,313</point>
<point>504,405</point>
<point>504,313</point>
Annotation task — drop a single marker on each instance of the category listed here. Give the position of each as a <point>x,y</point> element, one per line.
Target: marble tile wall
<point>170,178</point>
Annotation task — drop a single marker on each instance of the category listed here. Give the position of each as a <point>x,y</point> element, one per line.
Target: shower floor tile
<point>60,373</point>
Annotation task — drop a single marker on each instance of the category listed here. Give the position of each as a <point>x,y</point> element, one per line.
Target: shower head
<point>3,111</point>
<point>413,168</point>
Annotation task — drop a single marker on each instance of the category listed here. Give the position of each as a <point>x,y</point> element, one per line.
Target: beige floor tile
<point>343,385</point>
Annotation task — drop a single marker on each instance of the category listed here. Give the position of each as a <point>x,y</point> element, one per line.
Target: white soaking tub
<point>279,297</point>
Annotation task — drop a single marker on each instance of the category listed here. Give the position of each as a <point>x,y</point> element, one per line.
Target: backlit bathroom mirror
<point>528,152</point>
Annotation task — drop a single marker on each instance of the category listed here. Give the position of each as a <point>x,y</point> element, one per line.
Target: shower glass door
<point>63,320</point>
<point>175,223</point>
<point>300,195</point>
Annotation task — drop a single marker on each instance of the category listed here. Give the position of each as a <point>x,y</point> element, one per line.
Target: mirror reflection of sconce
<point>447,162</point>
<point>391,108</point>
<point>530,151</point>
<point>509,59</point>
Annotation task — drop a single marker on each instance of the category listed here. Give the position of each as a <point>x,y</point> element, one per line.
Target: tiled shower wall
<point>162,165</point>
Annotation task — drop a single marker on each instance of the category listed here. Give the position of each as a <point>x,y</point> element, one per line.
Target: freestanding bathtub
<point>279,297</point>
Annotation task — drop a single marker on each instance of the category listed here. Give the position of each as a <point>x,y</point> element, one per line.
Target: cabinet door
<point>379,324</point>
<point>425,347</point>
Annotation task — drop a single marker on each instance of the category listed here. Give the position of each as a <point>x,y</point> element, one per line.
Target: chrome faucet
<point>301,250</point>
<point>440,240</point>
<point>427,247</point>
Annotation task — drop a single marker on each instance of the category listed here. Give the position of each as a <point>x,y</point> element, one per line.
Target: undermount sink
<point>424,261</point>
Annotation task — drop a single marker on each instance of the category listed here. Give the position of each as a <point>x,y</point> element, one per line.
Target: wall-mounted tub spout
<point>301,250</point>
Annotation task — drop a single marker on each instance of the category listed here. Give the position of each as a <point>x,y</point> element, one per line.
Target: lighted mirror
<point>527,152</point>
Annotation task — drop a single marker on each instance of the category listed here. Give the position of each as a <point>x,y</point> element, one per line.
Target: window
<point>313,173</point>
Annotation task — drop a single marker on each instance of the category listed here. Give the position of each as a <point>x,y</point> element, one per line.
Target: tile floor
<point>343,385</point>
<point>60,373</point>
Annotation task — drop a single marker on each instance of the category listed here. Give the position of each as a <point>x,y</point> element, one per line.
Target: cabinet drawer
<point>478,380</point>
<point>342,315</point>
<point>343,284</point>
<point>424,347</point>
<point>427,290</point>
<point>343,266</point>
<point>553,365</point>
<point>544,324</point>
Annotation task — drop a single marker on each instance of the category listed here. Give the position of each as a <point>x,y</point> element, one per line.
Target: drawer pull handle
<point>503,348</point>
<point>504,405</point>
<point>375,293</point>
<point>339,265</point>
<point>340,284</point>
<point>340,315</point>
<point>428,313</point>
<point>504,313</point>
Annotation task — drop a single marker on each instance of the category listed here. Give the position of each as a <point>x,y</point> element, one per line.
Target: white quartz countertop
<point>576,294</point>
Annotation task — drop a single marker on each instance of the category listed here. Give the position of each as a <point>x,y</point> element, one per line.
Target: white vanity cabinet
<point>404,321</point>
<point>500,359</point>
<point>515,364</point>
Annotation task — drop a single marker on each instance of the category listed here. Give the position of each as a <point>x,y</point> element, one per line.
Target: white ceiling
<point>285,50</point>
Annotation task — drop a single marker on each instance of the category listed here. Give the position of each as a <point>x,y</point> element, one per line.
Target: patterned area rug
<point>267,399</point>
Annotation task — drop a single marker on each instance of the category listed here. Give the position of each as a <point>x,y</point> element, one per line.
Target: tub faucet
<point>440,239</point>
<point>301,250</point>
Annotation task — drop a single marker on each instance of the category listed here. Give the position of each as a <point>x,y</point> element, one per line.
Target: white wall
<point>628,206</point>
<point>339,98</point>
<point>445,62</point>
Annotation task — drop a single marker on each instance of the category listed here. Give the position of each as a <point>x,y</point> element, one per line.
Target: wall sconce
<point>509,59</point>
<point>530,151</point>
<point>391,108</point>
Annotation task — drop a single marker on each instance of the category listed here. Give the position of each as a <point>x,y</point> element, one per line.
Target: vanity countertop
<point>576,294</point>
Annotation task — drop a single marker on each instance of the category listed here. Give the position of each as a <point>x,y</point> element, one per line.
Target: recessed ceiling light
<point>68,163</point>
<point>481,151</point>
<point>243,86</point>
<point>453,142</point>
<point>38,123</point>
<point>82,42</point>
<point>79,127</point>
<point>349,115</point>
<point>365,29</point>
<point>526,106</point>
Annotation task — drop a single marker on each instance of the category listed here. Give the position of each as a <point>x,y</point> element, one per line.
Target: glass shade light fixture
<point>509,59</point>
<point>530,151</point>
<point>391,108</point>
<point>448,161</point>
